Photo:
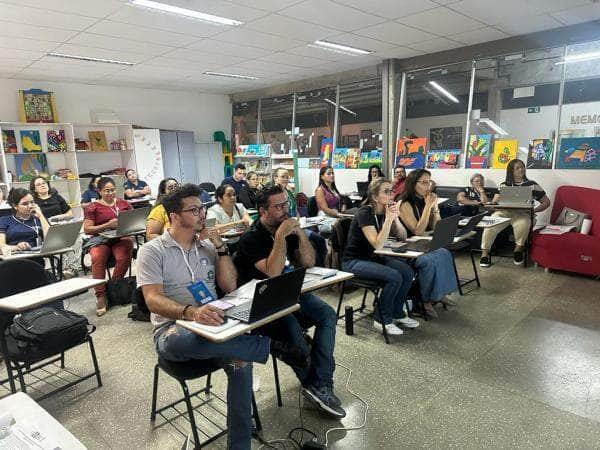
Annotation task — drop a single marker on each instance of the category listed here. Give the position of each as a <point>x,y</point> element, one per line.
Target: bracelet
<point>184,310</point>
<point>223,253</point>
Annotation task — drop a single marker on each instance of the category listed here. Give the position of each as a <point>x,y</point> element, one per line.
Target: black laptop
<point>443,235</point>
<point>471,224</point>
<point>363,188</point>
<point>270,296</point>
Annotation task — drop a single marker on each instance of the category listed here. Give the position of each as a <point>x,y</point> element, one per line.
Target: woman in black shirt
<point>249,192</point>
<point>53,205</point>
<point>369,230</point>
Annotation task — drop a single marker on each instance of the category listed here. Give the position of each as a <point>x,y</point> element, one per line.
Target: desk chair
<point>19,276</point>
<point>208,187</point>
<point>459,246</point>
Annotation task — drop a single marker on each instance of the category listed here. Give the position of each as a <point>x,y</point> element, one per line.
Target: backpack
<point>46,331</point>
<point>139,310</point>
<point>120,291</point>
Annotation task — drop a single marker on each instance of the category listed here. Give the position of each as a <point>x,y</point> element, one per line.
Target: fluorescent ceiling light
<point>340,48</point>
<point>579,58</point>
<point>231,75</point>
<point>185,12</point>
<point>497,128</point>
<point>331,102</point>
<point>444,91</point>
<point>88,58</point>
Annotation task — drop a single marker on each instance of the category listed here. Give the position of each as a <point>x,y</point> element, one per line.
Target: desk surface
<point>36,255</point>
<point>412,254</point>
<point>242,328</point>
<point>146,198</point>
<point>509,206</point>
<point>30,417</point>
<point>141,231</point>
<point>45,294</point>
<point>486,222</point>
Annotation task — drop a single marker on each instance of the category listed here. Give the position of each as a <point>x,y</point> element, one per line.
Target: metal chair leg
<point>21,378</point>
<point>62,360</point>
<point>154,394</point>
<point>208,385</point>
<point>277,386</point>
<point>257,421</point>
<point>456,273</point>
<point>188,403</point>
<point>339,307</point>
<point>475,268</point>
<point>95,361</point>
<point>364,300</point>
<point>376,308</point>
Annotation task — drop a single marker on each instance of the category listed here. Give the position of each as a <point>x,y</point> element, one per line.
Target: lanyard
<point>187,263</point>
<point>35,227</point>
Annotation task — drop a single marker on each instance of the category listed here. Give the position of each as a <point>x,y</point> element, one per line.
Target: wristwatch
<point>224,252</point>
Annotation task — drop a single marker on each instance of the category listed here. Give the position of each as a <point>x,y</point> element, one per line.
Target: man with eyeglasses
<point>275,243</point>
<point>187,259</point>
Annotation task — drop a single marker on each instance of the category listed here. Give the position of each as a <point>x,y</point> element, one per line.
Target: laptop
<point>516,196</point>
<point>130,222</point>
<point>363,188</point>
<point>270,296</point>
<point>443,235</point>
<point>471,224</point>
<point>58,237</point>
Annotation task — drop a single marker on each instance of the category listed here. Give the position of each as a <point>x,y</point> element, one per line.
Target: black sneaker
<point>485,261</point>
<point>325,399</point>
<point>518,258</point>
<point>291,355</point>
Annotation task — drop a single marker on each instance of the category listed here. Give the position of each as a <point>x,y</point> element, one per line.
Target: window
<point>315,113</point>
<point>276,122</point>
<point>244,123</point>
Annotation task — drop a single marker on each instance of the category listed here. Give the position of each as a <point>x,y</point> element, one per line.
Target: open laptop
<point>58,237</point>
<point>270,296</point>
<point>516,196</point>
<point>130,222</point>
<point>471,224</point>
<point>443,235</point>
<point>362,187</point>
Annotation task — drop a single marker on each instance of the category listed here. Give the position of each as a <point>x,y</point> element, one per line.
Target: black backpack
<point>120,291</point>
<point>46,331</point>
<point>139,310</point>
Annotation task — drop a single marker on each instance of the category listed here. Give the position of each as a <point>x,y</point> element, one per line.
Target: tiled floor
<point>516,364</point>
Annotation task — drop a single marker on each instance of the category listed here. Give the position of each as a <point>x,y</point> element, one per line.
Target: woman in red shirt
<point>98,217</point>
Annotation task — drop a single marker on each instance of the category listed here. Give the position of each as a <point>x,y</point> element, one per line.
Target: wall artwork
<point>444,138</point>
<point>443,159</point>
<point>9,141</point>
<point>540,154</point>
<point>56,140</point>
<point>369,158</point>
<point>326,151</point>
<point>339,158</point>
<point>410,153</point>
<point>30,141</point>
<point>254,150</point>
<point>504,151</point>
<point>478,150</point>
<point>579,153</point>
<point>36,105</point>
<point>98,141</point>
<point>353,158</point>
<point>29,166</point>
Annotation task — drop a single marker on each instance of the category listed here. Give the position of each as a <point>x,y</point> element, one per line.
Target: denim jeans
<point>175,343</point>
<point>436,274</point>
<point>397,277</point>
<point>319,245</point>
<point>313,311</point>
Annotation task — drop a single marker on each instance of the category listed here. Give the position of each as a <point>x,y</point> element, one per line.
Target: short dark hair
<point>399,166</point>
<point>220,192</point>
<point>263,197</point>
<point>104,181</point>
<point>239,166</point>
<point>127,172</point>
<point>173,202</point>
<point>91,186</point>
<point>15,195</point>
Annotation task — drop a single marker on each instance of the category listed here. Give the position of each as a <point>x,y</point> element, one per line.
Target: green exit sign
<point>533,109</point>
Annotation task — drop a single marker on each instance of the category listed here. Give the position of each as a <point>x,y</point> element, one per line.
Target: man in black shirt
<point>238,180</point>
<point>270,247</point>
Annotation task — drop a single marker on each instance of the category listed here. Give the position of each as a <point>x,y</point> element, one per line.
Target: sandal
<point>100,306</point>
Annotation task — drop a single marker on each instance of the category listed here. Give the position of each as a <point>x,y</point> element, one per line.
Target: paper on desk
<point>213,329</point>
<point>244,293</point>
<point>322,272</point>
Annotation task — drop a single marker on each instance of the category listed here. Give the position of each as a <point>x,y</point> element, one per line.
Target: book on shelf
<point>56,140</point>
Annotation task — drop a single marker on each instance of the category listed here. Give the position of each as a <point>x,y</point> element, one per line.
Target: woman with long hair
<point>374,173</point>
<point>25,228</point>
<point>158,220</point>
<point>91,194</point>
<point>519,219</point>
<point>371,227</point>
<point>328,198</point>
<point>249,192</point>
<point>419,213</point>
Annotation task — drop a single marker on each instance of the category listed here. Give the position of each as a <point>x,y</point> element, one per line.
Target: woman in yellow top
<point>158,220</point>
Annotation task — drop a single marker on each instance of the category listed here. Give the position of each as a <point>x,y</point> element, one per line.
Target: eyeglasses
<point>424,182</point>
<point>281,206</point>
<point>386,191</point>
<point>195,210</point>
<point>171,187</point>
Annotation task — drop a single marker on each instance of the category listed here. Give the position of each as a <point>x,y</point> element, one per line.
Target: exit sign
<point>533,109</point>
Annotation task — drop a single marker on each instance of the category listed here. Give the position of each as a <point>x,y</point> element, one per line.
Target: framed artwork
<point>540,154</point>
<point>56,140</point>
<point>29,166</point>
<point>98,141</point>
<point>443,159</point>
<point>326,151</point>
<point>579,153</point>
<point>478,150</point>
<point>410,153</point>
<point>36,105</point>
<point>504,151</point>
<point>353,158</point>
<point>9,141</point>
<point>369,158</point>
<point>30,141</point>
<point>339,158</point>
<point>445,138</point>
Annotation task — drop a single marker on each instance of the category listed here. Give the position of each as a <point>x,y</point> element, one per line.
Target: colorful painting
<point>444,138</point>
<point>254,150</point>
<point>410,153</point>
<point>339,158</point>
<point>443,159</point>
<point>98,141</point>
<point>579,153</point>
<point>56,141</point>
<point>30,141</point>
<point>9,141</point>
<point>314,163</point>
<point>29,166</point>
<point>504,151</point>
<point>540,154</point>
<point>353,158</point>
<point>478,150</point>
<point>36,105</point>
<point>369,158</point>
<point>326,151</point>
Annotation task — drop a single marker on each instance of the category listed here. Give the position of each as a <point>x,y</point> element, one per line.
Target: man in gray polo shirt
<point>187,255</point>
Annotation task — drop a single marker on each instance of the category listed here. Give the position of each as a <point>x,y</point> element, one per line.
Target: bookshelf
<point>256,158</point>
<point>285,161</point>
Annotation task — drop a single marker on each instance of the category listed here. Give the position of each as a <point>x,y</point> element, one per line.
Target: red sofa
<point>572,252</point>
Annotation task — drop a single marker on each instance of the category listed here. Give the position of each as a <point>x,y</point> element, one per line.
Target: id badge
<point>200,292</point>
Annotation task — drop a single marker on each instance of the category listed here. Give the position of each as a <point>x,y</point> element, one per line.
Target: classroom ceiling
<point>273,43</point>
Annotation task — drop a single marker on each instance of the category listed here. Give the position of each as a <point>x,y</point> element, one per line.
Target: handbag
<point>571,217</point>
<point>120,291</point>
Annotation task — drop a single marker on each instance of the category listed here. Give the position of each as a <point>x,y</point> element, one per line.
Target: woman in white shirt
<point>227,212</point>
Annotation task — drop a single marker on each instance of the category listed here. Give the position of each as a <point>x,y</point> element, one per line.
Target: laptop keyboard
<point>241,312</point>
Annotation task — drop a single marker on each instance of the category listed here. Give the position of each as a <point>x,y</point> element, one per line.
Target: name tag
<point>200,292</point>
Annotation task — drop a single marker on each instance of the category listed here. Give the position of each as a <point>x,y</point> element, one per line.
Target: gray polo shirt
<point>161,261</point>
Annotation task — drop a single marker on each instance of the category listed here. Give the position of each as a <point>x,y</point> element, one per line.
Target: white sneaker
<point>407,322</point>
<point>390,329</point>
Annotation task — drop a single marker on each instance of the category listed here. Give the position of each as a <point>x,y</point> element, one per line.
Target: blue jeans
<point>397,277</point>
<point>313,312</point>
<point>175,343</point>
<point>436,274</point>
<point>320,246</point>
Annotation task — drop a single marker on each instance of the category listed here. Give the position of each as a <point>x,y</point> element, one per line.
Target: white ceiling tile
<point>22,30</point>
<point>257,39</point>
<point>120,44</point>
<point>391,9</point>
<point>92,52</point>
<point>399,52</point>
<point>528,24</point>
<point>362,42</point>
<point>8,64</point>
<point>320,53</point>
<point>52,63</point>
<point>578,15</point>
<point>179,64</point>
<point>91,8</point>
<point>436,45</point>
<point>27,44</point>
<point>329,14</point>
<point>265,65</point>
<point>143,34</point>
<point>168,22</point>
<point>478,36</point>
<point>20,54</point>
<point>292,28</point>
<point>493,12</point>
<point>395,33</point>
<point>33,16</point>
<point>548,6</point>
<point>444,21</point>
<point>221,8</point>
<point>199,56</point>
<point>292,59</point>
<point>267,5</point>
<point>227,48</point>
